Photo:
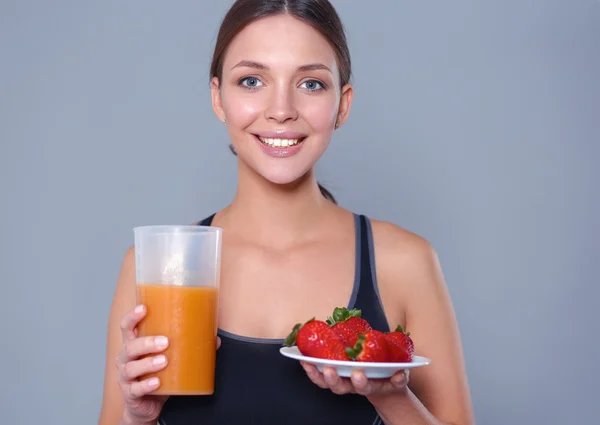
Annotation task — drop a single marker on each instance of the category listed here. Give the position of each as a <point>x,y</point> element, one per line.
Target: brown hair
<point>319,14</point>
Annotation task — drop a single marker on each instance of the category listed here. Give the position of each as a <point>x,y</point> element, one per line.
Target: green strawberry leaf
<point>355,313</point>
<point>341,314</point>
<point>291,338</point>
<point>353,352</point>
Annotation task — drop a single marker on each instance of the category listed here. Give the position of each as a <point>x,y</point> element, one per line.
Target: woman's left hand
<point>358,383</point>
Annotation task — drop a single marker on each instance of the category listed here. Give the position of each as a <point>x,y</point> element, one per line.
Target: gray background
<point>476,124</point>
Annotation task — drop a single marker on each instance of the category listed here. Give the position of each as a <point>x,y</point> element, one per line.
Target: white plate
<point>345,368</point>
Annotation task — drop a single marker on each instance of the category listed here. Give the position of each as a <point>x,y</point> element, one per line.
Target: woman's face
<point>281,98</point>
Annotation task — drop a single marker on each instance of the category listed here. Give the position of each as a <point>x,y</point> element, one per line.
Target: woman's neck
<point>275,214</point>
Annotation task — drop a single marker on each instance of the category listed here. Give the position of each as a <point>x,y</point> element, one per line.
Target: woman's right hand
<point>136,360</point>
<point>133,362</point>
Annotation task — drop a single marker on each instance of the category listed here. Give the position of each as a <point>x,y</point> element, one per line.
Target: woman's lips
<point>280,144</point>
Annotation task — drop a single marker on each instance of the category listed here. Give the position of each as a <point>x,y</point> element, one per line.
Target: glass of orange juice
<point>177,274</point>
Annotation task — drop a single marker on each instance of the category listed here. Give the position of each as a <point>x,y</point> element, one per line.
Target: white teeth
<point>279,142</point>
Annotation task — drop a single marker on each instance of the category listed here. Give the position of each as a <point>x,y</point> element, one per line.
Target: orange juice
<point>187,315</point>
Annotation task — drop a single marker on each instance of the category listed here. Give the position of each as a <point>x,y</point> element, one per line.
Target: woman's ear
<point>217,103</point>
<point>346,97</point>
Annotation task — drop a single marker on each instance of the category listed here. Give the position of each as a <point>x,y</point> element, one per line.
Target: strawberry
<point>370,347</point>
<point>348,325</point>
<point>315,338</point>
<point>401,345</point>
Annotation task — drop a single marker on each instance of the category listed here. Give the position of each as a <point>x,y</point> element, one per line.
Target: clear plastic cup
<point>177,275</point>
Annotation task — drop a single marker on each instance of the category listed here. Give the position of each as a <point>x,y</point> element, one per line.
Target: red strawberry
<point>370,347</point>
<point>316,339</point>
<point>401,345</point>
<point>348,325</point>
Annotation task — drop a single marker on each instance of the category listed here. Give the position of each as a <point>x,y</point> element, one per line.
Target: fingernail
<point>139,309</point>
<point>161,341</point>
<point>153,382</point>
<point>159,360</point>
<point>358,379</point>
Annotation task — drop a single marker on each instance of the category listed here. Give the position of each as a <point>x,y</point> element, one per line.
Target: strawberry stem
<point>341,314</point>
<point>353,352</point>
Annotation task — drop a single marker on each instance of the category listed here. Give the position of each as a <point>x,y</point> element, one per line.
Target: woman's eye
<point>312,85</point>
<point>250,82</point>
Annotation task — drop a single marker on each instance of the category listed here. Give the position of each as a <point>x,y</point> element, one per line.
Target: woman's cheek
<point>320,113</point>
<point>241,110</point>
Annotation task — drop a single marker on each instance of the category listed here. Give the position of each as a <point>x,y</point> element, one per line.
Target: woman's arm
<point>414,292</point>
<point>405,408</point>
<point>124,299</point>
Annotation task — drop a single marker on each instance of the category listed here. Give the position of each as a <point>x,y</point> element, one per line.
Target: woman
<point>280,83</point>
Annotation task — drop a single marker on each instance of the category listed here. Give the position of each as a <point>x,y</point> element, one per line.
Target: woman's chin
<point>284,179</point>
<point>284,176</point>
<point>281,171</point>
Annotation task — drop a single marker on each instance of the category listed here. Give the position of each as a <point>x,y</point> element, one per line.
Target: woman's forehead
<point>280,41</point>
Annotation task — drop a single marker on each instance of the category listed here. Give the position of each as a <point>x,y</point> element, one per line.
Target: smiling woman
<point>323,20</point>
<point>280,83</point>
<point>316,90</point>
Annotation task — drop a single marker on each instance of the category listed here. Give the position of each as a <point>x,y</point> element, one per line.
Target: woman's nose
<point>281,106</point>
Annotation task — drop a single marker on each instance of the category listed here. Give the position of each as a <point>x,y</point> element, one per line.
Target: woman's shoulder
<point>394,243</point>
<point>407,264</point>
